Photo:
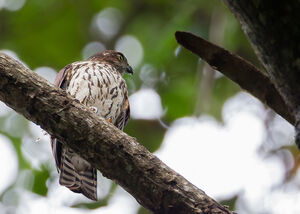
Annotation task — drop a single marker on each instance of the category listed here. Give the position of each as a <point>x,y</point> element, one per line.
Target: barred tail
<point>79,181</point>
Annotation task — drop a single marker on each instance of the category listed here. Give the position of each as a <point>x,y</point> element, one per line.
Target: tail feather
<point>89,184</point>
<point>80,180</point>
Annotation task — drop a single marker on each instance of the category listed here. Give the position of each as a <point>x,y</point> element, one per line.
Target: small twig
<point>207,80</point>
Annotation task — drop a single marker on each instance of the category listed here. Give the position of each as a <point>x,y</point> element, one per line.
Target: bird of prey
<point>98,84</point>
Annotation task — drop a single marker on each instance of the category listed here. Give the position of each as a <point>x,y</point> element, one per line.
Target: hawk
<point>98,84</point>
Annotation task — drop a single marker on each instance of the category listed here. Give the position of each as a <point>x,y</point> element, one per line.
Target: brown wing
<point>125,114</point>
<point>63,76</point>
<point>80,181</point>
<point>60,81</point>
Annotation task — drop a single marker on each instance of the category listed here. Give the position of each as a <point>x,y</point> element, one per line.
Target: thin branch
<point>216,35</point>
<point>242,72</point>
<point>118,156</point>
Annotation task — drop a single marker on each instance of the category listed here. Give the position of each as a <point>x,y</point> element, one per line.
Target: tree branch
<point>117,155</point>
<point>238,70</point>
<point>271,27</point>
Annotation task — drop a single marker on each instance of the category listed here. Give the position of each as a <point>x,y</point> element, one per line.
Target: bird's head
<point>114,58</point>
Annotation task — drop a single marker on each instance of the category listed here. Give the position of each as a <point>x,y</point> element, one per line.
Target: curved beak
<point>129,69</point>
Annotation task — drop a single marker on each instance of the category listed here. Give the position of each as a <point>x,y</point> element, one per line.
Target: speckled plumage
<point>97,83</point>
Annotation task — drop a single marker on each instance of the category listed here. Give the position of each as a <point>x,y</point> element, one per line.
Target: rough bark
<point>242,72</point>
<point>117,155</point>
<point>273,30</point>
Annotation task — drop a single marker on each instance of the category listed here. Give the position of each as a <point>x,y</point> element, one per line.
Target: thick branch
<point>117,155</point>
<point>272,28</point>
<point>238,70</point>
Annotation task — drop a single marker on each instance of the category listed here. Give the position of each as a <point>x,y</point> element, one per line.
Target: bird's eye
<point>120,57</point>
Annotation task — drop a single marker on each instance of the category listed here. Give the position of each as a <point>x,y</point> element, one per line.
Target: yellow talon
<point>109,120</point>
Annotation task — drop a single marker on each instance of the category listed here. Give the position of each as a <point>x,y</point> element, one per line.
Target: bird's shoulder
<point>74,68</point>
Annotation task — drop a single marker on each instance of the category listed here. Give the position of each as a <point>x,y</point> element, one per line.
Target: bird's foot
<point>109,120</point>
<point>93,109</point>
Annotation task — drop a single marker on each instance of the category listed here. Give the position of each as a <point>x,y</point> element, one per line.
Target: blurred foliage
<point>53,33</point>
<point>149,132</point>
<point>40,179</point>
<point>17,141</point>
<point>230,202</point>
<point>142,210</point>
